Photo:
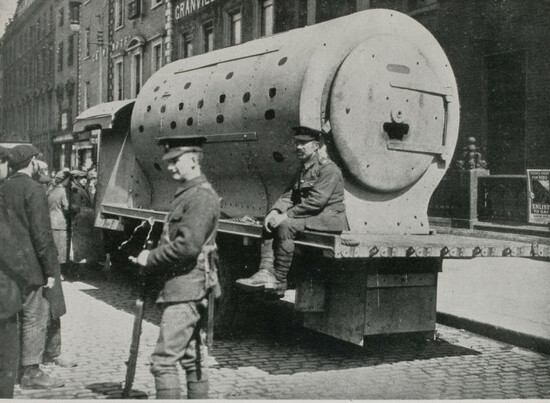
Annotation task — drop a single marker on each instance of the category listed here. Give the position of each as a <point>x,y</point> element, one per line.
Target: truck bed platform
<point>348,245</point>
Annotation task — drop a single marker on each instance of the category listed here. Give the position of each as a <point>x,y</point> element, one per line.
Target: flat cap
<point>44,179</point>
<point>174,146</point>
<point>77,173</point>
<point>61,176</point>
<point>305,133</point>
<point>20,155</point>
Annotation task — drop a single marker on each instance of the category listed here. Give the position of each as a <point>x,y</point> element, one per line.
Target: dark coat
<point>178,258</point>
<point>14,275</point>
<point>316,194</point>
<point>85,239</point>
<point>30,223</point>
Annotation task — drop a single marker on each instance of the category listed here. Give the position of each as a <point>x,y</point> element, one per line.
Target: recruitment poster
<point>538,185</point>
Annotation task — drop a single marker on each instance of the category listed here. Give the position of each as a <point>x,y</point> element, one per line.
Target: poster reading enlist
<point>539,195</point>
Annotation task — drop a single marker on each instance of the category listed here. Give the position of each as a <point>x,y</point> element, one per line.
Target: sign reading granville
<point>538,184</point>
<point>188,7</point>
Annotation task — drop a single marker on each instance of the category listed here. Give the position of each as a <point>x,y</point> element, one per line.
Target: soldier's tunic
<point>178,259</point>
<point>313,201</point>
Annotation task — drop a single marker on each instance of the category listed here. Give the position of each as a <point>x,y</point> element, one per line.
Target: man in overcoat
<point>313,201</point>
<point>14,278</point>
<point>58,206</point>
<point>182,258</point>
<point>30,223</point>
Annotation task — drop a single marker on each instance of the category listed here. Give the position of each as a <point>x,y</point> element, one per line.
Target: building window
<point>60,56</point>
<point>506,99</point>
<point>156,60</point>
<point>119,80</point>
<point>74,13</point>
<point>421,5</point>
<point>86,103</point>
<point>186,45</point>
<point>208,36</point>
<point>70,50</point>
<point>136,74</point>
<point>87,42</point>
<point>61,16</point>
<point>119,14</point>
<point>235,27</point>
<point>266,17</point>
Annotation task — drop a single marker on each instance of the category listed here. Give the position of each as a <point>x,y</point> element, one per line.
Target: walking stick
<point>136,332</point>
<point>134,346</point>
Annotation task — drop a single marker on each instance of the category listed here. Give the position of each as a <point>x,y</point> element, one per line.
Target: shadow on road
<point>113,390</point>
<point>267,335</point>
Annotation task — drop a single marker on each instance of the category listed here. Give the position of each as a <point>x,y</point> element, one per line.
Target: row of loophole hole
<point>221,100</point>
<point>269,114</point>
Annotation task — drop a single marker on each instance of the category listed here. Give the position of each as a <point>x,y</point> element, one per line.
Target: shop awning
<point>104,116</point>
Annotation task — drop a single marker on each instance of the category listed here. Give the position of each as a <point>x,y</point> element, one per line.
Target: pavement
<point>503,298</point>
<point>268,356</point>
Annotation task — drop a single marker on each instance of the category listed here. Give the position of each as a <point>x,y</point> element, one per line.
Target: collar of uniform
<point>312,161</point>
<point>191,183</point>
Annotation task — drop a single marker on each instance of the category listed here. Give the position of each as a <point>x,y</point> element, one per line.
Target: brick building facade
<point>136,38</point>
<point>66,68</point>
<point>28,90</point>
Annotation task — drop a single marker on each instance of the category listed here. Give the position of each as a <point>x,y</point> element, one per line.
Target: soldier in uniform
<point>314,201</point>
<point>189,230</point>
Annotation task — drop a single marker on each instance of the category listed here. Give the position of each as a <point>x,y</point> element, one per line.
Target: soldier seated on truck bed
<point>314,201</point>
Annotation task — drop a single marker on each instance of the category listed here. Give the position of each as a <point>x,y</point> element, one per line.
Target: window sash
<point>208,34</point>
<point>236,28</point>
<point>119,81</point>
<point>266,18</point>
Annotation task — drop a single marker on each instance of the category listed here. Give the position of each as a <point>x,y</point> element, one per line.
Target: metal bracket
<point>444,92</point>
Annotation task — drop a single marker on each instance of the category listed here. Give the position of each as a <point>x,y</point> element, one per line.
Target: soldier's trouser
<point>181,341</point>
<point>34,321</point>
<point>283,245</point>
<point>9,355</point>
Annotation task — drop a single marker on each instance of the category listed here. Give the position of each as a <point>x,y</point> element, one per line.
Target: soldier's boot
<point>197,389</point>
<point>265,274</point>
<point>283,259</point>
<point>266,255</point>
<point>167,387</point>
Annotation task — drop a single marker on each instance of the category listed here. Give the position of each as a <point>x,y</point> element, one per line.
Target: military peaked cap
<point>305,133</point>
<point>174,146</point>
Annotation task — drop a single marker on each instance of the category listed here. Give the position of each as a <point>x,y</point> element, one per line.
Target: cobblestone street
<point>269,357</point>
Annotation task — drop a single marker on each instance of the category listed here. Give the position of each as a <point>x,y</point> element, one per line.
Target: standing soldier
<point>183,259</point>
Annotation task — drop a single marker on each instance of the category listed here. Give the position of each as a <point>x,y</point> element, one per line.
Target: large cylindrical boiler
<point>378,77</point>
